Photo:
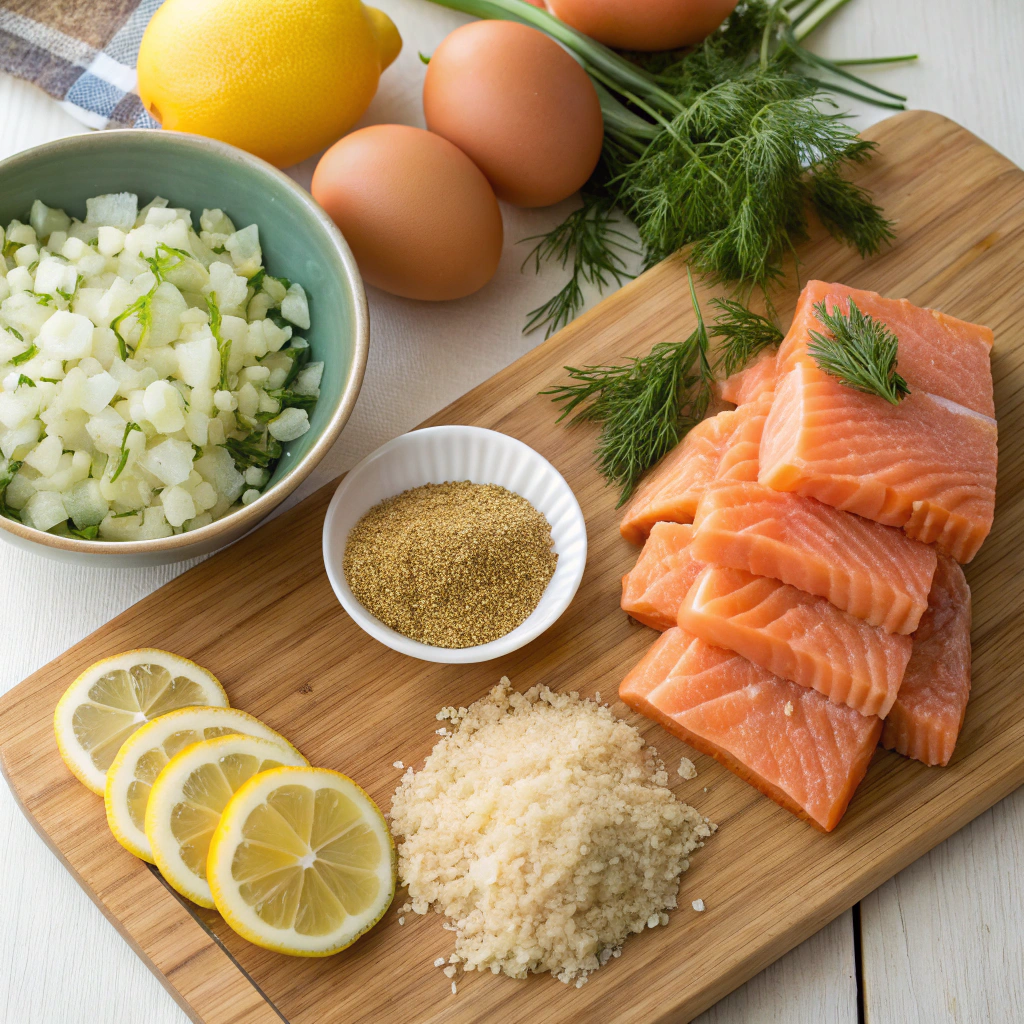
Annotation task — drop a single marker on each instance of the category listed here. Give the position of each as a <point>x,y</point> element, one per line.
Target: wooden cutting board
<point>262,616</point>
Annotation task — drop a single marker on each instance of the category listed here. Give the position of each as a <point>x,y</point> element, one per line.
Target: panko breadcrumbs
<point>543,828</point>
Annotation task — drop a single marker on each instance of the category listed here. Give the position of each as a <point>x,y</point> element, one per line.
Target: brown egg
<point>519,106</point>
<point>420,217</point>
<point>646,25</point>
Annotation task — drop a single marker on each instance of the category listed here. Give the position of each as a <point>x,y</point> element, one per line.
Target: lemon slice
<point>302,862</point>
<point>112,698</point>
<point>145,754</point>
<point>188,796</point>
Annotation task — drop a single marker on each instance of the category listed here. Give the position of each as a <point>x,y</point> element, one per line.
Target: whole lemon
<point>279,78</point>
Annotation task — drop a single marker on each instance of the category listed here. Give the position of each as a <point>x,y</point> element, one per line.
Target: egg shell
<point>418,214</point>
<point>643,24</point>
<point>519,106</point>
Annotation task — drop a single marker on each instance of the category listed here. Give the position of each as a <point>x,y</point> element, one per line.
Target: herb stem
<point>815,15</point>
<point>868,61</point>
<point>833,87</point>
<point>821,62</point>
<point>766,37</point>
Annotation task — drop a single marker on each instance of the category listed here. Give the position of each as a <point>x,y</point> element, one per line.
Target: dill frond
<point>590,240</point>
<point>860,351</point>
<point>848,213</point>
<point>743,335</point>
<point>645,405</point>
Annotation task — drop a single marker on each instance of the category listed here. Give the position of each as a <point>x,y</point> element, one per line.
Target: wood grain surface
<point>261,616</point>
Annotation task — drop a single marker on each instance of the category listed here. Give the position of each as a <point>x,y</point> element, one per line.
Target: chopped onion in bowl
<point>149,374</point>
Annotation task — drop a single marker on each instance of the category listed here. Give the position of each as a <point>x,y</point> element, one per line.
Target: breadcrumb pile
<point>543,828</point>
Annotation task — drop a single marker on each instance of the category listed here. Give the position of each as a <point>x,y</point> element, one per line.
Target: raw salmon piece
<point>674,486</point>
<point>925,720</point>
<point>654,589</point>
<point>798,636</point>
<point>873,572</point>
<point>753,381</point>
<point>937,353</point>
<point>801,750</point>
<point>741,458</point>
<point>926,465</point>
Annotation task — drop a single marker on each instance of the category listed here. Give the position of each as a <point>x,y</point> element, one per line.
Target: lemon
<point>145,754</point>
<point>117,695</point>
<point>188,796</point>
<point>279,78</point>
<point>302,862</point>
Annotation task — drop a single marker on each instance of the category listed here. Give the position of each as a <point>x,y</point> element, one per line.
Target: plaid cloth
<point>82,52</point>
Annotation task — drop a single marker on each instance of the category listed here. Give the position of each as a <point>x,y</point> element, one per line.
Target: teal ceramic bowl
<point>299,241</point>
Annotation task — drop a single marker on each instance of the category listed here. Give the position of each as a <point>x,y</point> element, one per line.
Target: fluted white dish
<point>435,455</point>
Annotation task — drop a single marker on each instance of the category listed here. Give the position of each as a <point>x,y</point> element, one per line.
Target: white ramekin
<point>436,455</point>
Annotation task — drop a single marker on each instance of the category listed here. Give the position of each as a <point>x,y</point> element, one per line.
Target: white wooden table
<point>941,942</point>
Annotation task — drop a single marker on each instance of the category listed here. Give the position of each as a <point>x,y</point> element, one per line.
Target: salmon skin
<point>926,465</point>
<point>874,572</point>
<point>926,719</point>
<point>752,382</point>
<point>937,353</point>
<point>798,636</point>
<point>801,750</point>
<point>674,486</point>
<point>655,587</point>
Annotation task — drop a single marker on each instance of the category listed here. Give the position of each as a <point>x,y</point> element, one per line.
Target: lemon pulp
<point>302,862</point>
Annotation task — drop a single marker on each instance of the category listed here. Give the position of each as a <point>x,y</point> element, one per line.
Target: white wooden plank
<point>816,983</point>
<point>29,117</point>
<point>59,960</point>
<point>943,941</point>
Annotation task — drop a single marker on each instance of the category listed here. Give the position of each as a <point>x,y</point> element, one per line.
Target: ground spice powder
<point>452,565</point>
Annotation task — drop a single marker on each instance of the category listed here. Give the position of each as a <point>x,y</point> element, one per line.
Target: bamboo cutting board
<point>263,618</point>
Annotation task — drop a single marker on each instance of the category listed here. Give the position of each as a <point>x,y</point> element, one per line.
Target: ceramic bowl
<point>435,455</point>
<point>299,241</point>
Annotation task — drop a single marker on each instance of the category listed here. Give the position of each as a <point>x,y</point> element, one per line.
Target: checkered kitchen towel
<point>82,52</point>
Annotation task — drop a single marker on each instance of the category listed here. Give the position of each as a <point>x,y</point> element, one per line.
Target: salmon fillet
<point>925,721</point>
<point>654,589</point>
<point>926,465</point>
<point>870,571</point>
<point>874,572</point>
<point>750,383</point>
<point>937,353</point>
<point>674,486</point>
<point>798,636</point>
<point>799,749</point>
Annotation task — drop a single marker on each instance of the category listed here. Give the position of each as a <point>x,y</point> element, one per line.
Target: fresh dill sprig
<point>645,406</point>
<point>743,335</point>
<point>847,211</point>
<point>860,351</point>
<point>590,239</point>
